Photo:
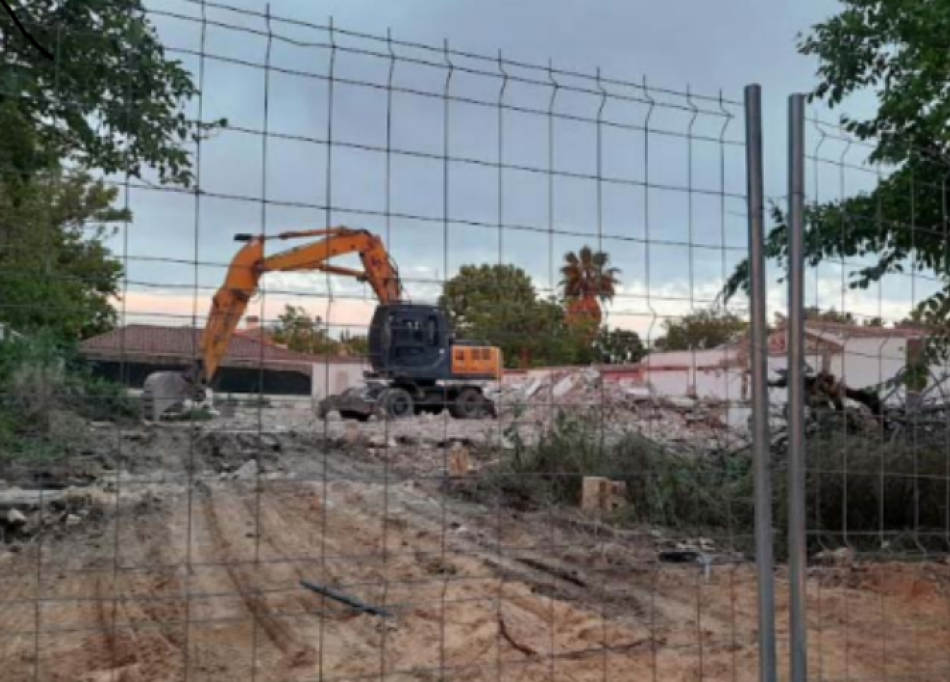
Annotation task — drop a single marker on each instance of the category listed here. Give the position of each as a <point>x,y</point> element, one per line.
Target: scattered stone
<point>246,471</point>
<point>380,442</point>
<point>841,557</point>
<point>564,385</point>
<point>638,394</point>
<point>680,402</point>
<point>73,520</point>
<point>387,624</point>
<point>271,442</point>
<point>15,518</point>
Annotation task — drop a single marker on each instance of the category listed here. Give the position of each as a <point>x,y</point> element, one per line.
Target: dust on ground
<point>186,560</point>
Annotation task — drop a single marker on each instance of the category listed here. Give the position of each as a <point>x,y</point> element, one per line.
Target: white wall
<point>335,377</point>
<point>698,373</point>
<point>868,361</point>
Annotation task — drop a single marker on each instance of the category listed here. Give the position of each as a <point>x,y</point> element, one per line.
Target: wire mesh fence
<point>873,411</point>
<point>475,394</point>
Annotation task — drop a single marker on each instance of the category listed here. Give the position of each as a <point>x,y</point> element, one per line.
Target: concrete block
<point>600,494</point>
<point>459,462</point>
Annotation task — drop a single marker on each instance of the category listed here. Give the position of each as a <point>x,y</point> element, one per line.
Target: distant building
<point>253,364</point>
<point>861,356</point>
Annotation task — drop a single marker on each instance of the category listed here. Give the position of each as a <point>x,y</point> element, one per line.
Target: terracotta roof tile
<point>183,342</point>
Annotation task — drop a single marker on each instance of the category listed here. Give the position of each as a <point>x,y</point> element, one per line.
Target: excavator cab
<point>407,340</point>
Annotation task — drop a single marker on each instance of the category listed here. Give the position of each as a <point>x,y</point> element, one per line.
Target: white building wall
<point>699,374</point>
<point>335,377</point>
<point>669,382</point>
<point>870,361</point>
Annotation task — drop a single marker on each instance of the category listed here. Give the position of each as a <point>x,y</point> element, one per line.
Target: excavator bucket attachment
<point>165,392</point>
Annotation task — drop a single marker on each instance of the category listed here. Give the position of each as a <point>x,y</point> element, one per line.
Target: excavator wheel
<point>396,403</point>
<point>470,404</point>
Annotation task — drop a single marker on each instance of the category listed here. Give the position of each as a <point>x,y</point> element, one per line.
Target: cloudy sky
<point>658,183</point>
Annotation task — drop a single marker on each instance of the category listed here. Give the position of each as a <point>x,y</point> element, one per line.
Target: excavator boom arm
<point>250,264</point>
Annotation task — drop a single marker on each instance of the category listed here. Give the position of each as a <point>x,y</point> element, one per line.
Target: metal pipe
<point>760,391</point>
<point>797,549</point>
<point>355,604</point>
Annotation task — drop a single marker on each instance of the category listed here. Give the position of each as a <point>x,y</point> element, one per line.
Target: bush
<point>41,378</point>
<point>873,492</point>
<point>860,489</point>
<point>664,487</point>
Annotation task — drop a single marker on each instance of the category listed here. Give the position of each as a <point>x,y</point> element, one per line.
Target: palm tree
<point>588,281</point>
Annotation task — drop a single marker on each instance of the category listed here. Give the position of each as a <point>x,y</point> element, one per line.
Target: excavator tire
<point>396,403</point>
<point>470,404</point>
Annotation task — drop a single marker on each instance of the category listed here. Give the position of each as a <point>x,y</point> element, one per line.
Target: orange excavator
<point>417,363</point>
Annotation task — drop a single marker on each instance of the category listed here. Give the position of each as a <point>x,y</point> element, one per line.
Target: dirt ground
<point>202,582</point>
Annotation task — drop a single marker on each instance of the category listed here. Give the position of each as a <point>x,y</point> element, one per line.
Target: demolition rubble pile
<point>622,407</point>
<point>527,408</point>
<point>27,514</point>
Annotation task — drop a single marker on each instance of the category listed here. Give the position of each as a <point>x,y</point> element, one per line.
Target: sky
<point>668,206</point>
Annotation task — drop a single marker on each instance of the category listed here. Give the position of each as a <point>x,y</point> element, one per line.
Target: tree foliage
<point>587,280</point>
<point>896,50</point>
<point>619,346</point>
<point>498,304</point>
<point>110,99</point>
<point>354,344</point>
<point>302,332</point>
<point>701,330</point>
<point>588,274</point>
<point>56,272</point>
<point>830,315</point>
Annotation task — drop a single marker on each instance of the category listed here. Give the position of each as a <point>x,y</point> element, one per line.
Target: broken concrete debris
<point>247,471</point>
<point>14,518</point>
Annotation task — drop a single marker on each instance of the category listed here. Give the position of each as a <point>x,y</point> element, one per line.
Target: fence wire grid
<point>874,407</point>
<point>609,513</point>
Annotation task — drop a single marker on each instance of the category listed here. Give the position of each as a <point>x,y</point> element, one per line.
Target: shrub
<point>664,487</point>
<point>41,378</point>
<point>862,489</point>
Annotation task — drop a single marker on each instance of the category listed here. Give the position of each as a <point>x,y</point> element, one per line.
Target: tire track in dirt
<point>281,635</point>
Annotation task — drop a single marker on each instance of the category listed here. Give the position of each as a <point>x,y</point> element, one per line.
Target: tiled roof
<point>142,339</point>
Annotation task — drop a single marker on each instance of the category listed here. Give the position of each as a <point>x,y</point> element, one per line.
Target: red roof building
<point>131,353</point>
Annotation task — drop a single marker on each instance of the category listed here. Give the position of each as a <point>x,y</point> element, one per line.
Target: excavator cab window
<point>417,339</point>
<point>432,331</point>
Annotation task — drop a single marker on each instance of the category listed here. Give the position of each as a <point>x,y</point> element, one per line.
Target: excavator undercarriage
<point>397,401</point>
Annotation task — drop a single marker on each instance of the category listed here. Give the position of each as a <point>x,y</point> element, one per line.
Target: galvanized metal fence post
<point>760,392</point>
<point>796,389</point>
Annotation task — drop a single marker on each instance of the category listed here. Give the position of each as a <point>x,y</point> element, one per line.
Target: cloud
<point>671,214</point>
